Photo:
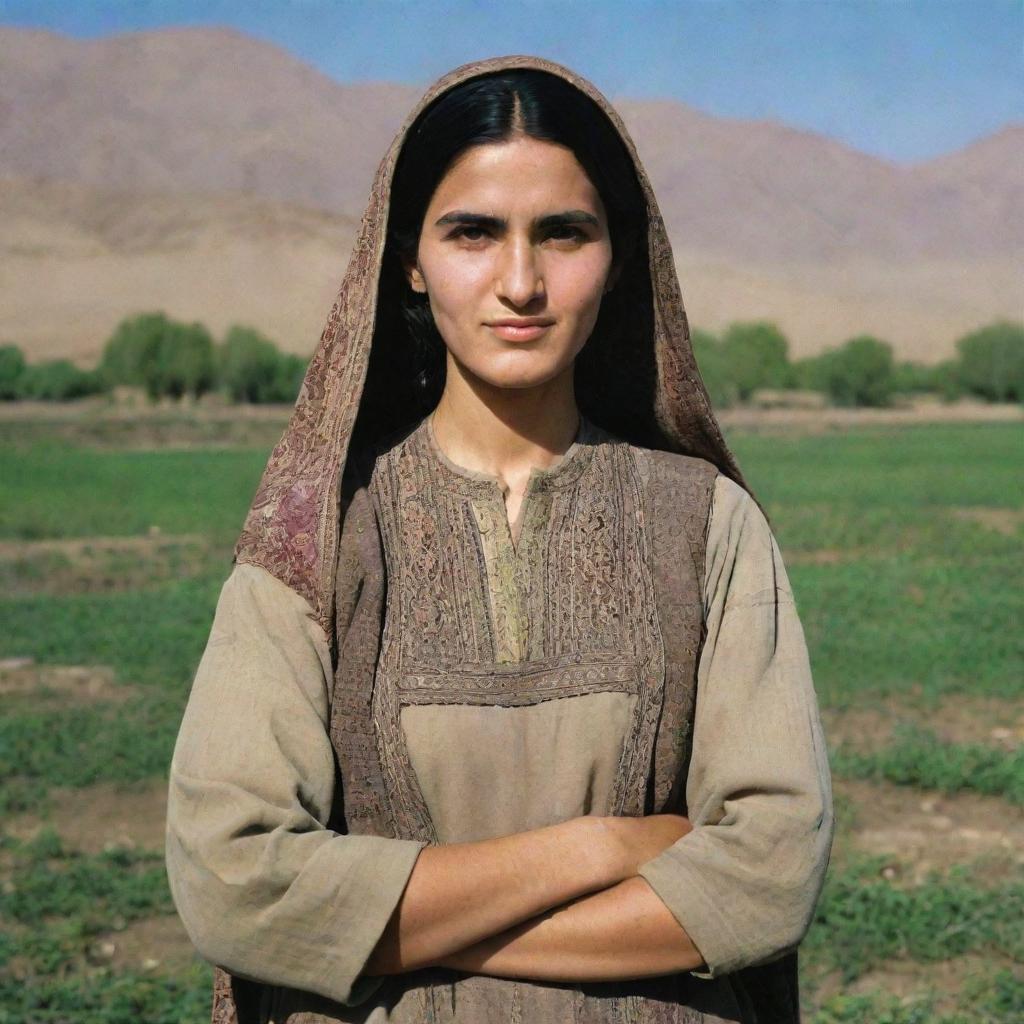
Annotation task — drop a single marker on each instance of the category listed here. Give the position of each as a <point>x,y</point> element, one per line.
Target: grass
<point>80,746</point>
<point>917,757</point>
<point>886,627</point>
<point>57,491</point>
<point>898,592</point>
<point>996,998</point>
<point>863,921</point>
<point>59,900</point>
<point>905,467</point>
<point>105,996</point>
<point>152,636</point>
<point>917,598</point>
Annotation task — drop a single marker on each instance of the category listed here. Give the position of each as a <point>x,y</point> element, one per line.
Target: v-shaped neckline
<point>487,486</point>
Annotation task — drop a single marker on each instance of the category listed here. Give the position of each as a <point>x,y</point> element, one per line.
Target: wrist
<point>603,851</point>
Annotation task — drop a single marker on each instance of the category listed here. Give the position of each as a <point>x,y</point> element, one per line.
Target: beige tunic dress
<point>267,890</point>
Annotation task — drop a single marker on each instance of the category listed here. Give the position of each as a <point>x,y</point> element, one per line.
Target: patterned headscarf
<point>293,527</point>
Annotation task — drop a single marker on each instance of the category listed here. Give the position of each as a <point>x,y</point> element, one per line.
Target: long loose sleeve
<point>744,883</point>
<point>263,887</point>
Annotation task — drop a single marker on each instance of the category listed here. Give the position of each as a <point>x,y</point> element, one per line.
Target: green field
<point>903,547</point>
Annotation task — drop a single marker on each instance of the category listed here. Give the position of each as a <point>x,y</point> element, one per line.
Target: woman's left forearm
<point>621,932</point>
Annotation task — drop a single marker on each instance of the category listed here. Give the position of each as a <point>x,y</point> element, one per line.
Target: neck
<point>505,431</point>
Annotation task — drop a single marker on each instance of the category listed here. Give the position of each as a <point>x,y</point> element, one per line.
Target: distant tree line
<point>166,359</point>
<point>751,356</point>
<point>170,359</point>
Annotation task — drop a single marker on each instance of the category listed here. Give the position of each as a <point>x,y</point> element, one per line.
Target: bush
<point>913,378</point>
<point>291,372</point>
<point>809,372</point>
<point>58,380</point>
<point>132,349</point>
<point>991,362</point>
<point>711,362</point>
<point>165,357</point>
<point>185,363</point>
<point>860,372</point>
<point>251,369</point>
<point>756,355</point>
<point>12,369</point>
<point>945,380</point>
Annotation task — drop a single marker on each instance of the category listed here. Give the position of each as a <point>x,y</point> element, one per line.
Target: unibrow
<point>551,220</point>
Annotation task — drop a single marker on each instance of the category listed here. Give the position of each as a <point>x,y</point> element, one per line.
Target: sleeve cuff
<point>685,894</point>
<point>373,889</point>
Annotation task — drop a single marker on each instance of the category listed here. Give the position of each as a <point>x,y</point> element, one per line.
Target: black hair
<point>410,354</point>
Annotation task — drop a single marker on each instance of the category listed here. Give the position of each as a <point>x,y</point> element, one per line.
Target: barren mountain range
<point>213,175</point>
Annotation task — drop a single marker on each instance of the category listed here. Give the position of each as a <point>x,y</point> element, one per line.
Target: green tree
<point>165,356</point>
<point>707,350</point>
<point>991,363</point>
<point>12,370</point>
<point>59,380</point>
<point>945,379</point>
<point>809,372</point>
<point>252,369</point>
<point>291,370</point>
<point>185,363</point>
<point>756,355</point>
<point>133,350</point>
<point>860,372</point>
<point>910,377</point>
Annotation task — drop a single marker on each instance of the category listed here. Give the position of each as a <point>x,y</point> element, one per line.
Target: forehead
<point>523,173</point>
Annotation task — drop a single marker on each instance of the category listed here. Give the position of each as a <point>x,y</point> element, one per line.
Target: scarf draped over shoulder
<point>293,526</point>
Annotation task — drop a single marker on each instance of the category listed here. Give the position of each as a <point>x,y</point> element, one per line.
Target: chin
<point>520,371</point>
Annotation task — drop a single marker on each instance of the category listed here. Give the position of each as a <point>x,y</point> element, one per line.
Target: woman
<point>506,712</point>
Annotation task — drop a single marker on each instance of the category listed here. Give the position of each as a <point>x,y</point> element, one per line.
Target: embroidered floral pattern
<point>606,598</point>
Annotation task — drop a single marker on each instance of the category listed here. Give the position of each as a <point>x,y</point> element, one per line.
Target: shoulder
<point>679,493</point>
<point>733,503</point>
<point>672,470</point>
<point>736,517</point>
<point>742,554</point>
<point>254,600</point>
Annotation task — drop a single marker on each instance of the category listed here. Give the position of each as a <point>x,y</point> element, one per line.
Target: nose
<point>520,279</point>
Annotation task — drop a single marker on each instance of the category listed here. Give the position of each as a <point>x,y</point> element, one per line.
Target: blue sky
<point>901,79</point>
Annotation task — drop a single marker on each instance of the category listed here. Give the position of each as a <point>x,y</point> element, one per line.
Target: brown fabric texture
<point>315,900</point>
<point>293,526</point>
<point>600,595</point>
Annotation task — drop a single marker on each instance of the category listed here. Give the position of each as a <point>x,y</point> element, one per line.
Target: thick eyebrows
<point>550,220</point>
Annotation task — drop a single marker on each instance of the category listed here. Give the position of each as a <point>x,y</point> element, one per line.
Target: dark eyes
<point>474,233</point>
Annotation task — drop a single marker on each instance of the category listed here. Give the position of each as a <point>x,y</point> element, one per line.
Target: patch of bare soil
<point>100,564</point>
<point>23,679</point>
<point>101,817</point>
<point>104,817</point>
<point>87,546</point>
<point>924,831</point>
<point>97,423</point>
<point>157,944</point>
<point>958,719</point>
<point>1006,521</point>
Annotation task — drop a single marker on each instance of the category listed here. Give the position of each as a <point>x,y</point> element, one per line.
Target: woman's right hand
<point>634,841</point>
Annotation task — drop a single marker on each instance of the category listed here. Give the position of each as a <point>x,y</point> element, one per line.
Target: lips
<point>519,330</point>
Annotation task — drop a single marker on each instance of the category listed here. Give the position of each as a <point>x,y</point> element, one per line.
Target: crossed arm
<point>562,903</point>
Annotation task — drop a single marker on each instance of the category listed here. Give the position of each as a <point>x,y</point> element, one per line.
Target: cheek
<point>455,284</point>
<point>578,285</point>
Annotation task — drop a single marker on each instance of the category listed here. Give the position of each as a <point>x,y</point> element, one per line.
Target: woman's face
<point>515,231</point>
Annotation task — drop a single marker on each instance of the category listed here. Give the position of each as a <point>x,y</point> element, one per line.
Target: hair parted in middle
<point>490,109</point>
